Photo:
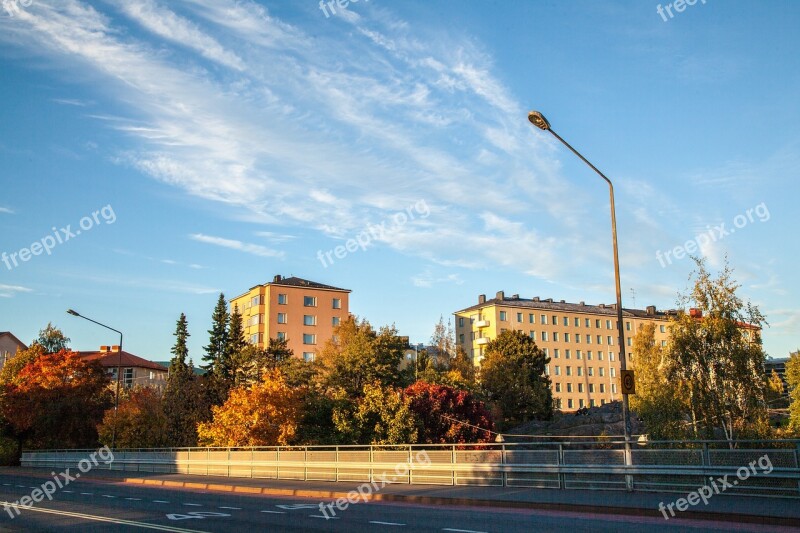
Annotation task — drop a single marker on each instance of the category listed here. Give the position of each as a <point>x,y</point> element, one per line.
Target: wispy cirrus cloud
<point>250,248</point>
<point>9,291</point>
<point>6,210</point>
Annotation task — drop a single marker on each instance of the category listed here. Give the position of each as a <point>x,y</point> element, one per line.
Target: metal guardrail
<point>760,468</point>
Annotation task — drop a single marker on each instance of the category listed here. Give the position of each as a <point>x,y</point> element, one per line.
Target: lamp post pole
<point>119,364</point>
<point>538,120</point>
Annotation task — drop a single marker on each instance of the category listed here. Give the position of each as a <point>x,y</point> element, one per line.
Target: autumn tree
<point>443,343</point>
<point>15,364</point>
<point>380,415</point>
<point>659,401</point>
<point>793,381</point>
<point>51,339</point>
<point>774,392</point>
<point>252,362</point>
<point>266,414</point>
<point>56,401</point>
<point>140,421</point>
<point>512,376</point>
<point>716,353</point>
<point>182,402</point>
<point>358,355</point>
<point>447,415</point>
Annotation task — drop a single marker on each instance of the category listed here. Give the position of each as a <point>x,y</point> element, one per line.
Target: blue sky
<point>235,140</point>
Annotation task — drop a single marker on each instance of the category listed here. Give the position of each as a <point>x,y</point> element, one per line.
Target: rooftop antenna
<point>633,297</point>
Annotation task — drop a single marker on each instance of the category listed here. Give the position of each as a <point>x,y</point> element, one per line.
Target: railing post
<point>371,461</point>
<point>208,458</point>
<point>628,466</point>
<point>797,461</point>
<point>305,463</point>
<point>503,463</point>
<point>229,463</point>
<point>453,478</point>
<point>562,478</point>
<point>336,463</point>
<point>252,460</point>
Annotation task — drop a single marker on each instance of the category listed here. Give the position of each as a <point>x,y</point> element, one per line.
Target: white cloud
<point>9,291</point>
<point>6,210</point>
<point>254,249</point>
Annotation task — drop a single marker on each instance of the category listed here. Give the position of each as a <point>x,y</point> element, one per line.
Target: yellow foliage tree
<point>266,414</point>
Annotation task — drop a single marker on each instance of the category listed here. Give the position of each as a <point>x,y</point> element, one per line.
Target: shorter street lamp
<point>119,364</point>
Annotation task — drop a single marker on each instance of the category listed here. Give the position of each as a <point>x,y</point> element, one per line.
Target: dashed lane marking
<point>386,523</point>
<point>232,508</point>
<point>274,512</point>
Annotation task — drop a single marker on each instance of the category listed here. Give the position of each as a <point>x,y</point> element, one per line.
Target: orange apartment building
<point>303,312</point>
<point>580,339</point>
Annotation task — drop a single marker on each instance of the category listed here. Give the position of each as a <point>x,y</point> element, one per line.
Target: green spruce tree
<point>180,395</point>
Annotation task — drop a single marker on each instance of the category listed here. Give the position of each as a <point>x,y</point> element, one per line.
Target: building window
<point>127,377</point>
<point>558,370</point>
<point>558,403</point>
<point>555,353</point>
<point>308,357</point>
<point>589,355</point>
<point>461,321</point>
<point>602,388</point>
<point>519,317</point>
<point>282,299</point>
<point>608,324</point>
<point>281,318</point>
<point>599,339</point>
<point>566,337</point>
<point>587,322</point>
<point>566,321</point>
<point>335,321</point>
<point>531,318</point>
<point>503,316</point>
<point>533,335</point>
<point>599,356</point>
<point>591,400</point>
<point>569,388</point>
<point>597,323</point>
<point>255,320</point>
<point>577,322</point>
<point>569,403</point>
<point>629,341</point>
<point>256,300</point>
<point>555,320</point>
<point>662,329</point>
<point>544,336</point>
<point>610,356</point>
<point>309,338</point>
<point>663,344</point>
<point>578,338</point>
<point>543,319</point>
<point>569,370</point>
<point>546,370</point>
<point>546,352</point>
<point>309,320</point>
<point>613,388</point>
<point>309,301</point>
<point>613,372</point>
<point>588,339</point>
<point>580,403</point>
<point>627,326</point>
<point>254,338</point>
<point>591,373</point>
<point>577,354</point>
<point>558,387</point>
<point>602,372</point>
<point>281,335</point>
<point>580,370</point>
<point>580,388</point>
<point>566,354</point>
<point>555,336</point>
<point>609,341</point>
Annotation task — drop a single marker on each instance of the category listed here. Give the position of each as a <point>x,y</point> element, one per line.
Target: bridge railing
<point>759,468</point>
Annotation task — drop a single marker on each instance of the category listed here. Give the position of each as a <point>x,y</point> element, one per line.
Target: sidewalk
<point>723,507</point>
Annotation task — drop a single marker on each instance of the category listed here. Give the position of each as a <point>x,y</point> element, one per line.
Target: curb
<point>445,501</point>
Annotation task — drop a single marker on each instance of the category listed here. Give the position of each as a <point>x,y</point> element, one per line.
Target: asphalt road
<point>86,506</point>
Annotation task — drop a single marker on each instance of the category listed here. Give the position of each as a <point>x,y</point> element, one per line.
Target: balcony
<point>481,341</point>
<point>482,324</point>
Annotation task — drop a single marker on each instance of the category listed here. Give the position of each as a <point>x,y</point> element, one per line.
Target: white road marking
<point>385,523</point>
<point>6,484</point>
<point>106,519</point>
<point>194,504</point>
<point>68,491</point>
<point>234,508</point>
<point>108,496</point>
<point>23,486</point>
<point>160,501</point>
<point>294,506</point>
<point>87,493</point>
<point>274,512</point>
<point>461,530</point>
<point>134,499</point>
<point>323,516</point>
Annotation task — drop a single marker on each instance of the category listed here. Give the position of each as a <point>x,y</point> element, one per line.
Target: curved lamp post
<point>538,120</point>
<point>119,364</point>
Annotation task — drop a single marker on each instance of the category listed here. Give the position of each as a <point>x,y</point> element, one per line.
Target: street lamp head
<point>72,312</point>
<point>538,120</point>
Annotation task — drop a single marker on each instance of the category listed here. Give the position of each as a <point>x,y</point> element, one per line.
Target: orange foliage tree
<point>140,421</point>
<point>265,414</point>
<point>56,401</point>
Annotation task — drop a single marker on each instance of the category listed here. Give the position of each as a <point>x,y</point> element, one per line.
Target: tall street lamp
<point>119,364</point>
<point>538,120</point>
